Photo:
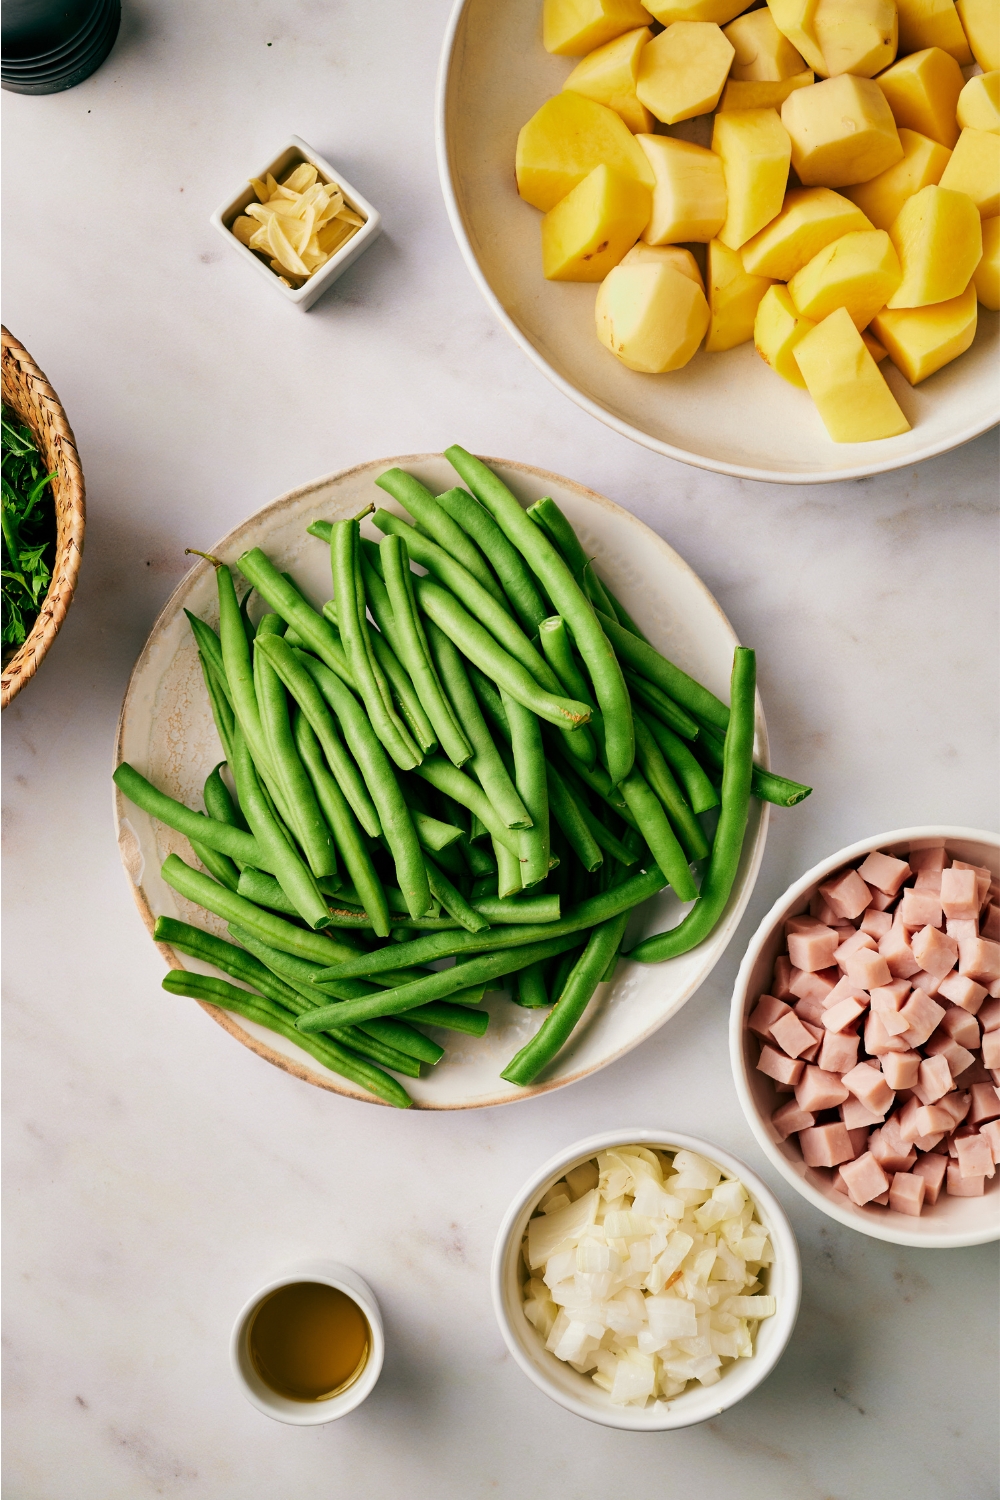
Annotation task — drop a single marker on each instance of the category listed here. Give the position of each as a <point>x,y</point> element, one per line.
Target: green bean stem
<point>286,600</point>
<point>530,780</point>
<point>435,523</point>
<point>698,789</point>
<point>511,569</point>
<point>764,785</point>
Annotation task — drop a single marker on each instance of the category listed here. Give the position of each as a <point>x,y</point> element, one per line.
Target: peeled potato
<point>939,240</point>
<point>923,162</point>
<point>665,255</point>
<point>589,230</point>
<point>974,168</point>
<point>842,131</point>
<point>608,75</point>
<point>795,19</point>
<point>858,272</point>
<point>762,95</point>
<point>651,317</point>
<point>573,27</point>
<point>564,141</point>
<point>733,297</point>
<point>763,55</point>
<point>811,219</point>
<point>921,340</point>
<point>777,328</point>
<point>986,277</point>
<point>850,394</point>
<point>932,23</point>
<point>923,91</point>
<point>689,196</point>
<point>682,71</point>
<point>979,103</point>
<point>981,23</point>
<point>856,36</point>
<point>755,152</point>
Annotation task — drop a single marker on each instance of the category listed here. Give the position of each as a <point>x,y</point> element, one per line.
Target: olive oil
<point>309,1341</point>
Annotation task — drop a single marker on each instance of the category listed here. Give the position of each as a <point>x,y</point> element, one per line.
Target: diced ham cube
<point>901,1069</point>
<point>957,1057</point>
<point>960,1026</point>
<point>991,1133</point>
<point>846,894</point>
<point>765,1013</point>
<point>788,1119</point>
<point>933,1121</point>
<point>928,882</point>
<point>931,1169</point>
<point>857,939</point>
<point>810,1012</point>
<point>878,1040</point>
<point>934,858</point>
<point>964,1187</point>
<point>974,1074</point>
<point>991,1050</point>
<point>959,894</point>
<point>839,1183</point>
<point>876,923</point>
<point>779,1067</point>
<point>791,1036</point>
<point>988,1015</point>
<point>960,931</point>
<point>783,972</point>
<point>989,923</point>
<point>979,960</point>
<point>929,983</point>
<point>906,1196</point>
<point>895,949</point>
<point>889,1148</point>
<point>845,990</point>
<point>934,951</point>
<point>956,1105</point>
<point>984,880</point>
<point>840,1017</point>
<point>884,872</point>
<point>985,1103</point>
<point>802,923</point>
<point>856,1115</point>
<point>814,985</point>
<point>922,1015</point>
<point>933,1082</point>
<point>818,1090</point>
<point>908,1122</point>
<point>891,997</point>
<point>838,1052</point>
<point>813,950</point>
<point>956,1136</point>
<point>920,909</point>
<point>928,1142</point>
<point>859,1139</point>
<point>825,1145</point>
<point>868,1084</point>
<point>868,969</point>
<point>865,1179</point>
<point>881,902</point>
<point>819,909</point>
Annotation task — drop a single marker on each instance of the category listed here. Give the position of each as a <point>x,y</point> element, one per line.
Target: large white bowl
<point>166,732</point>
<point>578,1393</point>
<point>951,1221</point>
<point>726,412</point>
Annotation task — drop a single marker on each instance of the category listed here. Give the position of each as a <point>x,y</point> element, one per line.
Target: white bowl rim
<point>927,1238</point>
<point>594,408</point>
<point>658,1418</point>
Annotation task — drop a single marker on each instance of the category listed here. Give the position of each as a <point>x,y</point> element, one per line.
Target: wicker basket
<point>27,392</point>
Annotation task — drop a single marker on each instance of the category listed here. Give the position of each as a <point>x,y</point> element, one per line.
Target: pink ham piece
<point>889,1148</point>
<point>960,1026</point>
<point>931,1169</point>
<point>956,1105</point>
<point>906,1195</point>
<point>814,984</point>
<point>868,969</point>
<point>960,894</point>
<point>765,1013</point>
<point>783,972</point>
<point>876,923</point>
<point>869,1085</point>
<point>991,1050</point>
<point>838,1051</point>
<point>845,990</point>
<point>955,1055</point>
<point>813,950</point>
<point>901,1069</point>
<point>792,1036</point>
<point>852,944</point>
<point>961,931</point>
<point>823,913</point>
<point>895,949</point>
<point>878,1040</point>
<point>922,1015</point>
<point>856,1115</point>
<point>865,1179</point>
<point>985,1103</point>
<point>818,1090</point>
<point>975,1159</point>
<point>779,1067</point>
<point>989,926</point>
<point>928,881</point>
<point>980,960</point>
<point>934,858</point>
<point>988,1015</point>
<point>933,1082</point>
<point>891,997</point>
<point>907,1122</point>
<point>884,872</point>
<point>789,1119</point>
<point>846,894</point>
<point>881,902</point>
<point>936,953</point>
<point>839,1017</point>
<point>825,1145</point>
<point>810,1011</point>
<point>929,983</point>
<point>920,909</point>
<point>991,1132</point>
<point>964,1187</point>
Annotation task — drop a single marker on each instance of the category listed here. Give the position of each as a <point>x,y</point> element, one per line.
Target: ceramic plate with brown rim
<point>166,731</point>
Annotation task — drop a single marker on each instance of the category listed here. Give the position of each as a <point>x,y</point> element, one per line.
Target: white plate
<point>166,732</point>
<point>726,412</point>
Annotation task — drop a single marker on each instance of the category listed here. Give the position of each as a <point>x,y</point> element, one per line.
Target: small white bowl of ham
<point>865,1036</point>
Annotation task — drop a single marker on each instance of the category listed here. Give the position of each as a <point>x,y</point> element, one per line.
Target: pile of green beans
<point>485,761</point>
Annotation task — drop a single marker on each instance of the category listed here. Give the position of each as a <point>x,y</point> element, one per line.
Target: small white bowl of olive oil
<point>308,1347</point>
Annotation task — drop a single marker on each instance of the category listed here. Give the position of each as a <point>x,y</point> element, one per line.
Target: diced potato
<point>795,20</point>
<point>986,277</point>
<point>850,394</point>
<point>923,162</point>
<point>777,328</point>
<point>589,230</point>
<point>811,219</point>
<point>651,317</point>
<point>921,340</point>
<point>932,23</point>
<point>573,27</point>
<point>733,297</point>
<point>939,240</point>
<point>842,131</point>
<point>755,152</point>
<point>923,91</point>
<point>608,75</point>
<point>565,140</point>
<point>689,196</point>
<point>763,55</point>
<point>981,23</point>
<point>975,169</point>
<point>718,11</point>
<point>979,103</point>
<point>877,351</point>
<point>858,272</point>
<point>682,71</point>
<point>856,36</point>
<point>738,95</point>
<point>665,255</point>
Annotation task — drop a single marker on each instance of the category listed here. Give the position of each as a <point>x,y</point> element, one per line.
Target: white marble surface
<point>155,1171</point>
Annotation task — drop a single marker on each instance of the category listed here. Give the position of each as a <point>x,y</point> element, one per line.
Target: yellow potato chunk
<point>811,219</point>
<point>922,339</point>
<point>755,151</point>
<point>932,23</point>
<point>979,103</point>
<point>763,55</point>
<point>875,349</point>
<point>589,230</point>
<point>856,36</point>
<point>858,272</point>
<point>923,162</point>
<point>923,91</point>
<point>651,317</point>
<point>974,168</point>
<point>733,297</point>
<point>842,131</point>
<point>608,75</point>
<point>795,19</point>
<point>682,71</point>
<point>689,196</point>
<point>777,329</point>
<point>939,240</point>
<point>573,27</point>
<point>665,255</point>
<point>718,11</point>
<point>981,23</point>
<point>986,277</point>
<point>850,393</point>
<point>565,140</point>
<point>763,95</point>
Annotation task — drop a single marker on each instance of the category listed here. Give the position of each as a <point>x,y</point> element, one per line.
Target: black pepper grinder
<point>50,45</point>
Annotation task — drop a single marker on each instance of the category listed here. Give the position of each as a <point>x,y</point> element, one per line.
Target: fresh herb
<point>29,530</point>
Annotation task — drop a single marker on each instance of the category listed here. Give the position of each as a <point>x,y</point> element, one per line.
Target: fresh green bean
<point>447,778</point>
<point>603,836</point>
<point>648,663</point>
<point>237,665</point>
<point>660,777</point>
<point>222,709</point>
<point>516,910</point>
<point>718,879</point>
<point>569,816</point>
<point>216,796</point>
<point>434,835</point>
<point>508,871</point>
<point>193,825</point>
<point>530,780</point>
<point>698,789</point>
<point>219,802</point>
<point>489,699</point>
<point>453,901</point>
<point>530,991</point>
<point>450,1016</point>
<point>655,828</point>
<point>559,531</point>
<point>394,899</point>
<point>300,972</point>
<point>437,525</point>
<point>403,692</point>
<point>511,569</point>
<point>562,969</point>
<point>764,785</point>
<point>334,1057</point>
<point>656,701</point>
<point>598,780</point>
<point>286,600</point>
<point>619,611</point>
<point>569,601</point>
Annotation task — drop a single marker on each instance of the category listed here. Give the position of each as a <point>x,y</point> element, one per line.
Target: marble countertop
<point>157,1172</point>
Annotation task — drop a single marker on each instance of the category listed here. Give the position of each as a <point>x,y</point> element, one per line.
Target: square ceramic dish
<point>292,153</point>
